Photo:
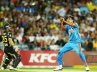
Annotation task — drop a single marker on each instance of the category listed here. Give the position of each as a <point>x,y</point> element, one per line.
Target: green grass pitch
<point>49,70</point>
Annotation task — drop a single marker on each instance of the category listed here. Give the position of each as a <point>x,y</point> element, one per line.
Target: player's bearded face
<point>8,28</point>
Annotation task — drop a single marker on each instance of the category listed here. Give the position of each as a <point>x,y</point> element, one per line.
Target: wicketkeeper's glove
<point>16,48</point>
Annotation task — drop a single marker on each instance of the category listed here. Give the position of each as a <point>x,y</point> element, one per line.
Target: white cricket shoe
<point>87,69</point>
<point>12,68</point>
<point>2,68</point>
<point>58,68</point>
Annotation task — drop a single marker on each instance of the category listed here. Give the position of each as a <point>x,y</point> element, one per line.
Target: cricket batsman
<point>10,49</point>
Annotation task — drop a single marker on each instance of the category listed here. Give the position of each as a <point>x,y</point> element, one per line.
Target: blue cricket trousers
<point>67,47</point>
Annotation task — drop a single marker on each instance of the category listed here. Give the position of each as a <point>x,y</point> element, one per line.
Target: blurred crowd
<point>35,24</point>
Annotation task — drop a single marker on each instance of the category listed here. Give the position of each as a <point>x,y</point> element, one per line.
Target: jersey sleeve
<point>9,35</point>
<point>66,27</point>
<point>76,25</point>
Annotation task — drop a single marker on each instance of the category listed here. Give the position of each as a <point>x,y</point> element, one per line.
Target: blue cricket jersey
<point>73,33</point>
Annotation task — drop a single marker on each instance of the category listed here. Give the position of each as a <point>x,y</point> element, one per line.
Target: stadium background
<point>36,27</point>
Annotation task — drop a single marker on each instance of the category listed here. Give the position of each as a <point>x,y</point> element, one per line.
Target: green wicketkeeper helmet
<point>6,25</point>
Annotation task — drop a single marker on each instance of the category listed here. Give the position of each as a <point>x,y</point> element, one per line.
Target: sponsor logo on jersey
<point>5,44</point>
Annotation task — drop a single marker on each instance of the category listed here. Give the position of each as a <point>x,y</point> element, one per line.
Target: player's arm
<point>10,39</point>
<point>68,23</point>
<point>11,42</point>
<point>61,24</point>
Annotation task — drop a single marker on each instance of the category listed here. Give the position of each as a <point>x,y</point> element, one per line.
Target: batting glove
<point>16,48</point>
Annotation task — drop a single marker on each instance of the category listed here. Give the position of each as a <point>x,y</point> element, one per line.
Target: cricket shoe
<point>12,68</point>
<point>2,68</point>
<point>58,68</point>
<point>87,69</point>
